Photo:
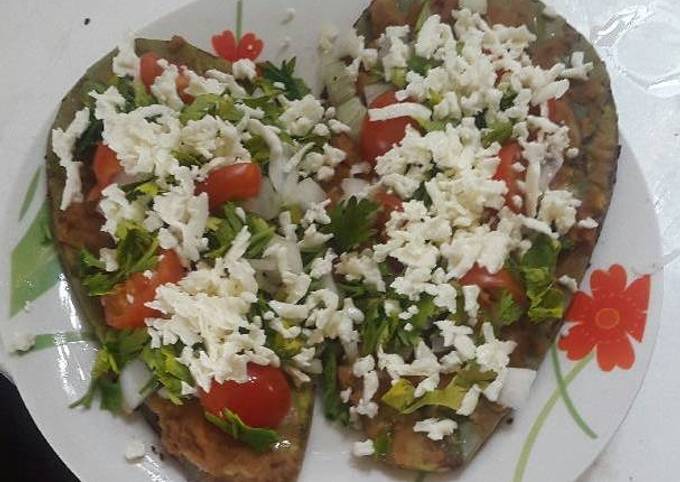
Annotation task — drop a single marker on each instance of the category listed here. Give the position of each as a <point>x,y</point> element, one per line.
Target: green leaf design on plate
<point>30,193</point>
<point>35,266</point>
<point>49,340</point>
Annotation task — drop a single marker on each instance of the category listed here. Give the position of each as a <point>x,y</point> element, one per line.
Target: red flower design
<point>249,47</point>
<point>605,319</point>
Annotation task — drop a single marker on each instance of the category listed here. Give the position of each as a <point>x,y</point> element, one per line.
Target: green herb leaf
<point>425,13</point>
<point>167,370</point>
<point>498,132</point>
<point>401,396</point>
<point>538,271</point>
<point>509,311</point>
<point>210,104</point>
<point>222,230</point>
<point>295,87</point>
<point>382,444</point>
<point>334,408</point>
<point>136,252</point>
<point>119,347</point>
<point>508,99</point>
<point>259,439</point>
<point>421,65</point>
<point>352,223</point>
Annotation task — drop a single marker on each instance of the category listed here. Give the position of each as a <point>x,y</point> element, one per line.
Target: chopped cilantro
<point>119,347</point>
<point>498,132</point>
<point>383,443</point>
<point>135,252</point>
<point>352,223</point>
<point>259,439</point>
<point>167,370</point>
<point>401,396</point>
<point>210,104</point>
<point>295,87</point>
<point>538,271</point>
<point>509,311</point>
<point>334,408</point>
<point>222,230</point>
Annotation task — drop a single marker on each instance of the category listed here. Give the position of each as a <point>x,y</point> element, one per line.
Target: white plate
<point>555,437</point>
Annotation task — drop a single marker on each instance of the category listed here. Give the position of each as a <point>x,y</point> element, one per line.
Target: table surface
<point>47,45</point>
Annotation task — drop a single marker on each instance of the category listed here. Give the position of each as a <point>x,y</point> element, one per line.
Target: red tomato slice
<point>149,68</point>
<point>486,281</point>
<point>263,401</point>
<point>231,183</point>
<point>125,307</point>
<point>182,83</point>
<point>378,137</point>
<point>106,167</point>
<point>389,204</point>
<point>509,154</point>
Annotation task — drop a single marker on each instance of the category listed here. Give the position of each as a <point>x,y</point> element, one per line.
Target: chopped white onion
<point>277,173</point>
<point>133,377</point>
<point>373,91</point>
<point>404,109</point>
<point>548,172</point>
<point>264,264</point>
<point>516,387</point>
<point>355,187</point>
<point>328,282</point>
<point>307,193</point>
<point>267,203</point>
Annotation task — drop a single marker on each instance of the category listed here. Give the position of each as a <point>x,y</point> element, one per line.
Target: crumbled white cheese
<point>116,208</point>
<point>471,294</point>
<point>289,15</point>
<point>63,143</point>
<point>588,223</point>
<point>21,342</point>
<point>436,429</point>
<point>559,208</point>
<point>302,115</point>
<point>363,449</point>
<point>322,266</point>
<point>470,400</point>
<point>494,354</point>
<point>477,6</point>
<point>210,307</point>
<point>403,109</point>
<point>578,69</point>
<point>186,216</point>
<point>126,61</point>
<point>164,87</point>
<point>357,267</point>
<point>550,12</point>
<point>244,69</point>
<point>135,450</point>
<point>110,259</point>
<point>568,282</point>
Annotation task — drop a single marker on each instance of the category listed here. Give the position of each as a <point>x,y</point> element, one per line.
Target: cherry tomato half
<point>389,203</point>
<point>149,70</point>
<point>509,155</point>
<point>125,307</point>
<point>378,137</point>
<point>486,281</point>
<point>235,182</point>
<point>263,401</point>
<point>106,167</point>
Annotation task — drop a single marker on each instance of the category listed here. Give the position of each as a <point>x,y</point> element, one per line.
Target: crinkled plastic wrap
<point>640,43</point>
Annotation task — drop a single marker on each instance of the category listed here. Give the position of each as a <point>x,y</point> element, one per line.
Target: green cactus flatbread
<point>206,452</point>
<point>588,172</point>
